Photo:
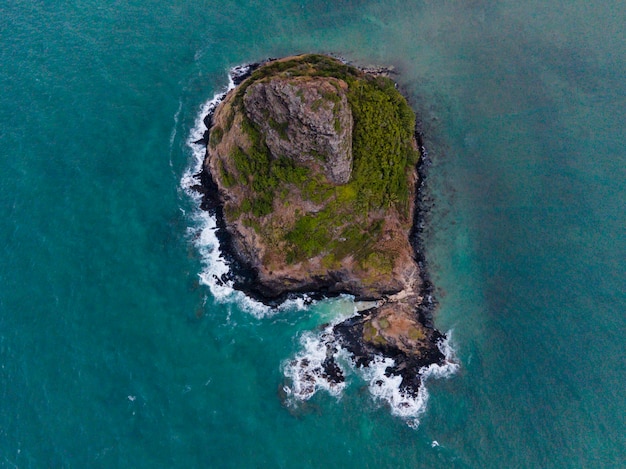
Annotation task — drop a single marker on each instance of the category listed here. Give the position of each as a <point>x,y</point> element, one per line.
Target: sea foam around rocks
<point>306,374</point>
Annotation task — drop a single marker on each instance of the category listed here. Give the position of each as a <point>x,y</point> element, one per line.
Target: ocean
<point>119,349</point>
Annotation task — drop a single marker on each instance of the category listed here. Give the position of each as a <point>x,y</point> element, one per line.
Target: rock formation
<point>304,120</point>
<point>312,164</point>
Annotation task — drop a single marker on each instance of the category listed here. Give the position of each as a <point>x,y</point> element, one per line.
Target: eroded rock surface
<point>305,119</point>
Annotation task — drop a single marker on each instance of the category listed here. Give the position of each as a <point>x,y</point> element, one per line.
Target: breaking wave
<point>409,406</point>
<point>308,372</point>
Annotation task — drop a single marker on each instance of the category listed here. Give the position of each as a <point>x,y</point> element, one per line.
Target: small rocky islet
<point>311,169</point>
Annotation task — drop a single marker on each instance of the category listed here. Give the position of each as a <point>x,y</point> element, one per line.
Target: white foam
<point>198,130</point>
<point>306,374</point>
<point>450,364</point>
<point>299,303</point>
<point>403,404</point>
<point>197,133</point>
<point>214,267</point>
<point>174,128</point>
<point>305,371</point>
<point>387,388</point>
<point>215,272</point>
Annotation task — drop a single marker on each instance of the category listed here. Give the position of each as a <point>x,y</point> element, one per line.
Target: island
<point>312,171</point>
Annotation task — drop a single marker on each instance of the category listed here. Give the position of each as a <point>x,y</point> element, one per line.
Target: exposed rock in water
<point>393,331</point>
<point>311,169</point>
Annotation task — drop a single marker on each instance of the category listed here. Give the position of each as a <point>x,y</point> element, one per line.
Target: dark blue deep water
<point>114,352</point>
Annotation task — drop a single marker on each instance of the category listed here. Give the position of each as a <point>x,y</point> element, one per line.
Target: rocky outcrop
<point>304,124</point>
<point>394,331</point>
<point>309,202</point>
<point>305,119</point>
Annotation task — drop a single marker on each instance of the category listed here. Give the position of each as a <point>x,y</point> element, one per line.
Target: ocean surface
<point>119,349</point>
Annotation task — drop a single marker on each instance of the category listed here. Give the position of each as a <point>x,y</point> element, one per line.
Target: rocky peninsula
<point>312,170</point>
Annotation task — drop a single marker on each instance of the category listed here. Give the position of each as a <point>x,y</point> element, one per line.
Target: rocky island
<point>312,170</point>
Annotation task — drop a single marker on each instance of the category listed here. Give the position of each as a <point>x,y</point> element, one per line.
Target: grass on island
<point>383,155</point>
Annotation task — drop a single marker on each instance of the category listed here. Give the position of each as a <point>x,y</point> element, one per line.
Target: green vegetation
<point>371,335</point>
<point>229,119</point>
<point>216,136</point>
<point>337,125</point>
<point>227,178</point>
<point>308,234</point>
<point>280,127</point>
<point>416,334</point>
<point>258,170</point>
<point>311,65</point>
<point>383,129</point>
<point>377,261</point>
<point>350,220</point>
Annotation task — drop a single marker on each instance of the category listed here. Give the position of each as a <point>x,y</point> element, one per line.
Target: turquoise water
<point>113,353</point>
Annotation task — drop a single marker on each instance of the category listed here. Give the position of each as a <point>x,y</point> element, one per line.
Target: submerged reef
<point>312,171</point>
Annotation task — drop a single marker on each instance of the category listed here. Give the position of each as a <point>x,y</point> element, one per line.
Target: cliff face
<point>305,120</point>
<point>315,166</point>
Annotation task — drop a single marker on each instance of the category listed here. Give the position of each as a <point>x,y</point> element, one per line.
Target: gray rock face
<point>307,120</point>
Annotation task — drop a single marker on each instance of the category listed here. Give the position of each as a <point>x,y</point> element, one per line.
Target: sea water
<point>116,350</point>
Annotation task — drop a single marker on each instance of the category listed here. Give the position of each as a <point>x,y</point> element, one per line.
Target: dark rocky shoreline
<point>350,333</point>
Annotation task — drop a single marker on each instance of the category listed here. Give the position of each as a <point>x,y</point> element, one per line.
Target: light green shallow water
<point>112,354</point>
